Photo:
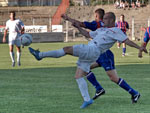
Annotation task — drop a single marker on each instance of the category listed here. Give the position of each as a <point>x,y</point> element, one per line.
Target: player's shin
<point>92,79</point>
<point>12,56</point>
<point>18,57</point>
<point>83,88</point>
<point>54,54</point>
<point>122,83</point>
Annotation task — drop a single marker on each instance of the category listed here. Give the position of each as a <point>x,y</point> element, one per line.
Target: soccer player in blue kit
<point>124,26</point>
<point>145,40</point>
<point>105,60</point>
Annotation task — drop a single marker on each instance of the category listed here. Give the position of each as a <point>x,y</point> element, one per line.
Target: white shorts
<point>16,42</point>
<point>87,55</point>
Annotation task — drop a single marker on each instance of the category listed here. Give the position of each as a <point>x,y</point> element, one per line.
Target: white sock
<point>12,56</point>
<point>18,56</point>
<point>54,54</point>
<point>83,88</point>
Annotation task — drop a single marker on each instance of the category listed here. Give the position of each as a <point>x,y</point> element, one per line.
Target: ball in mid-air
<point>26,39</point>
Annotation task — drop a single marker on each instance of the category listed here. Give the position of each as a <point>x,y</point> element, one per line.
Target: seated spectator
<point>126,4</point>
<point>133,5</point>
<point>117,5</point>
<point>138,4</point>
<point>121,5</point>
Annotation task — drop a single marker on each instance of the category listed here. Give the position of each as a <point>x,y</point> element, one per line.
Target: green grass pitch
<point>48,86</point>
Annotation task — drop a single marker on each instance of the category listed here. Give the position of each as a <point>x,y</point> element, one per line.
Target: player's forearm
<point>84,32</point>
<point>132,44</point>
<point>75,21</point>
<point>5,33</point>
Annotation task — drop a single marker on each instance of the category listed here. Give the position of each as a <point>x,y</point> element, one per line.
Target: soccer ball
<point>26,39</point>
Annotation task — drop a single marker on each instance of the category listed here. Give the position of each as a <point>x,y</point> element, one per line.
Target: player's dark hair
<point>13,12</point>
<point>122,15</point>
<point>101,12</point>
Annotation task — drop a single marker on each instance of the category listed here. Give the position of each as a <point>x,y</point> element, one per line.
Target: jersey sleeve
<point>127,25</point>
<point>7,25</point>
<point>21,23</point>
<point>90,25</point>
<point>146,37</point>
<point>93,34</point>
<point>119,35</point>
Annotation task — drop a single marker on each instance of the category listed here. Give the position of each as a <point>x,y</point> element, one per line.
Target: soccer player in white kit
<point>16,28</point>
<point>103,39</point>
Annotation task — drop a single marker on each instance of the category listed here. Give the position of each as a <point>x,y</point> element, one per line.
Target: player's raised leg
<point>40,55</point>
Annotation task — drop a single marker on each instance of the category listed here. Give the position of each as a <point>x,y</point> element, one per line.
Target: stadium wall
<point>43,37</point>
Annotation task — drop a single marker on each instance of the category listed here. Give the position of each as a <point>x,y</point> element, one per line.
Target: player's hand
<point>22,32</point>
<point>4,40</point>
<point>64,16</point>
<point>140,54</point>
<point>143,49</point>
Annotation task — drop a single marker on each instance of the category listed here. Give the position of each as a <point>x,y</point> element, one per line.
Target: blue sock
<point>124,50</point>
<point>92,79</point>
<point>122,83</point>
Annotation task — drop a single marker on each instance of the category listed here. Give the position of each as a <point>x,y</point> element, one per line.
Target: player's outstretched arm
<point>65,17</point>
<point>132,44</point>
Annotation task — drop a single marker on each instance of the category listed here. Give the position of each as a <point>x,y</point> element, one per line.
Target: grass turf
<point>48,86</point>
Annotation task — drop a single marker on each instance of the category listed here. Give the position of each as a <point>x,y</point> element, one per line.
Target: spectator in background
<point>133,5</point>
<point>138,4</point>
<point>121,4</point>
<point>127,5</point>
<point>117,5</point>
<point>124,26</point>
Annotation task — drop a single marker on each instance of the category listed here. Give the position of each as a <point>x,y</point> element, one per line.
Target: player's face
<point>121,18</point>
<point>107,20</point>
<point>12,16</point>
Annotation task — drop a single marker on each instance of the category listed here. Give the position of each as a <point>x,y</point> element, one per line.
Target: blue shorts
<point>106,60</point>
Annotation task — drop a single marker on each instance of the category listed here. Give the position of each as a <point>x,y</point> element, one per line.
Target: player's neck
<point>99,20</point>
<point>12,19</point>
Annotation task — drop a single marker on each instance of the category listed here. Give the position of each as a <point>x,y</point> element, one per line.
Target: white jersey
<point>14,28</point>
<point>105,38</point>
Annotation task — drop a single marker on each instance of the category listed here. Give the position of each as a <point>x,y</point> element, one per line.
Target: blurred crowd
<point>125,5</point>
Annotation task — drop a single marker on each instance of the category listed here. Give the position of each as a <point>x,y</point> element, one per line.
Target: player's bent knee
<point>77,77</point>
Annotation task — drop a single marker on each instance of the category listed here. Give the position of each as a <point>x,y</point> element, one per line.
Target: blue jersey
<point>106,60</point>
<point>147,35</point>
<point>123,26</point>
<point>93,25</point>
